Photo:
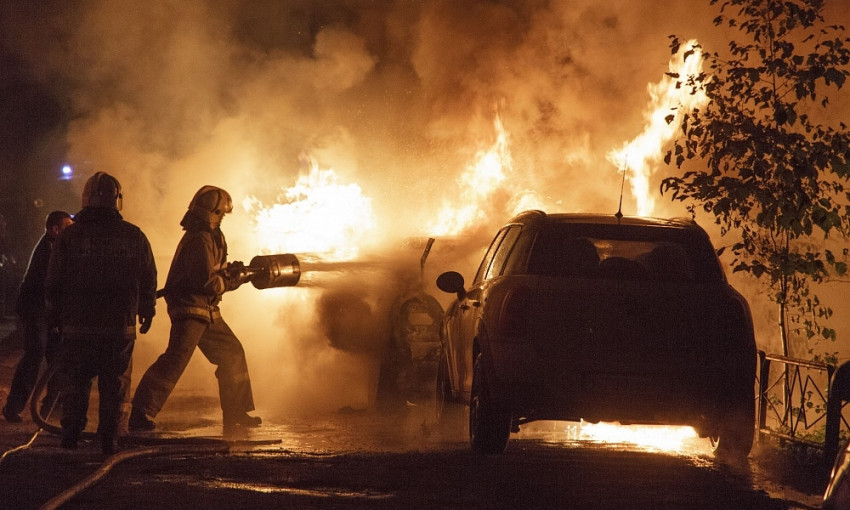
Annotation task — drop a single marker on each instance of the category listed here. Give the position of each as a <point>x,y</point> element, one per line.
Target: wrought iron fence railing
<point>803,401</point>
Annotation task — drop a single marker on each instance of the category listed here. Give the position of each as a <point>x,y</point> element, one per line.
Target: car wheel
<point>489,425</point>
<point>734,437</point>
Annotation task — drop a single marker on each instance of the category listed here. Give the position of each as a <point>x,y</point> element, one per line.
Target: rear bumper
<point>670,392</point>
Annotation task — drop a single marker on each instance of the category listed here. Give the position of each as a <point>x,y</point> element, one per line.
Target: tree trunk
<point>783,330</point>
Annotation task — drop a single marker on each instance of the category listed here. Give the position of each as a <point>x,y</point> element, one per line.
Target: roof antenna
<point>619,214</point>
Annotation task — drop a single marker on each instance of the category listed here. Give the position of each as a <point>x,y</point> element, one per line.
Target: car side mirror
<point>451,282</point>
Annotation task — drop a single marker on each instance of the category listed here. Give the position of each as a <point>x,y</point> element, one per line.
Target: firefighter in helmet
<point>101,275</point>
<point>198,277</point>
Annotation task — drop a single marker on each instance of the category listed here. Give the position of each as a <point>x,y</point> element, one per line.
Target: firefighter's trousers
<point>82,358</point>
<point>39,344</point>
<point>219,345</point>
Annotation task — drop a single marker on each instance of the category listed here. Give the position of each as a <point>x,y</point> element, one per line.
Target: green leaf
<point>773,174</point>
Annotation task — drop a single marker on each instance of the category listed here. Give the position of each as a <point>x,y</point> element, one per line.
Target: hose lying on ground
<point>34,436</point>
<point>36,393</point>
<point>66,495</point>
<point>148,447</point>
<point>19,448</point>
<point>177,446</point>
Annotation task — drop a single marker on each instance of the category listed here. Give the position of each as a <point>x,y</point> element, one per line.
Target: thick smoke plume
<point>396,96</point>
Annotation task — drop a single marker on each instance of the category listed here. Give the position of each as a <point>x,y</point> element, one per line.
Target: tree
<point>760,157</point>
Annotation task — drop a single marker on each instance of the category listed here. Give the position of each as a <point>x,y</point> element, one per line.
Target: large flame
<point>317,214</point>
<point>661,438</point>
<point>669,101</point>
<point>476,184</point>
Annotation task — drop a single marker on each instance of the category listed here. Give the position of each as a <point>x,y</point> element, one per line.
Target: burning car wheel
<point>489,425</point>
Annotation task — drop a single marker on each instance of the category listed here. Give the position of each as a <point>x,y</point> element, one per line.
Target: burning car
<point>382,310</point>
<point>600,318</point>
<point>409,366</point>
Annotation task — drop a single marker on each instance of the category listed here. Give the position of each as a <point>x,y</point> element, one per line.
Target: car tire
<point>736,431</point>
<point>489,424</point>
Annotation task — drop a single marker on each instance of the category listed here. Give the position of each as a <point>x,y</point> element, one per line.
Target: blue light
<point>67,172</point>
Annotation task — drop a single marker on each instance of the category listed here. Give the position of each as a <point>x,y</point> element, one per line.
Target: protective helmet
<point>103,190</point>
<point>210,204</point>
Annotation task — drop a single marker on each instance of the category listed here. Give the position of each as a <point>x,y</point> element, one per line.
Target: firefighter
<point>198,277</point>
<point>100,277</point>
<point>39,341</point>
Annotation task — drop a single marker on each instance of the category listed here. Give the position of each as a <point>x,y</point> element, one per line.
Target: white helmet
<point>210,204</point>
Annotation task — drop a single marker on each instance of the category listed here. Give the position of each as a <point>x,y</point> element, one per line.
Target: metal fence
<point>803,401</point>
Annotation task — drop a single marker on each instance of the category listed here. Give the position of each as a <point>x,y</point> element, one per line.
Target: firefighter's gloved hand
<point>235,274</point>
<point>145,324</point>
<point>235,270</point>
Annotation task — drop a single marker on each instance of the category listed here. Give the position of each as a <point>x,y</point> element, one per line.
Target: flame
<point>476,185</point>
<point>668,98</point>
<point>526,200</point>
<point>317,214</point>
<point>662,438</point>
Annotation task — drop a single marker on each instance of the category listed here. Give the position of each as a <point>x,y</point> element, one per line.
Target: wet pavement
<point>359,459</point>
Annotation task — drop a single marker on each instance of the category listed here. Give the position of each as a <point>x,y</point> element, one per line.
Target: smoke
<point>396,96</point>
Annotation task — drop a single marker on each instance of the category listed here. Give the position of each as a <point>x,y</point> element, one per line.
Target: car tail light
<point>514,316</point>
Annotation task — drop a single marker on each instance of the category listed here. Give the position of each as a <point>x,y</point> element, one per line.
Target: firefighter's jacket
<point>197,277</point>
<point>101,276</point>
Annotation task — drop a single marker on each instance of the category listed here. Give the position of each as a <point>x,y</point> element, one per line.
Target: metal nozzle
<point>281,270</point>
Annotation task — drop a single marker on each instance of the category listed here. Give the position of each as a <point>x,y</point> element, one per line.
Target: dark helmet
<point>210,204</point>
<point>103,190</point>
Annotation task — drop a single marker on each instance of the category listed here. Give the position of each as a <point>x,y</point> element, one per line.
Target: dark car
<point>600,318</point>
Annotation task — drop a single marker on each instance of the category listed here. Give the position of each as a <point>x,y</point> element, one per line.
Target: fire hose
<point>144,447</point>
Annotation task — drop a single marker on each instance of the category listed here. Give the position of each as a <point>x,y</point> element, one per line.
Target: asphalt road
<point>361,460</point>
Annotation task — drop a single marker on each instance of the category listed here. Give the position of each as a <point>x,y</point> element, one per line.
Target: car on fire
<point>599,318</point>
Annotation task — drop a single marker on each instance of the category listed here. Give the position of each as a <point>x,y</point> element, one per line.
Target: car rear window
<point>627,252</point>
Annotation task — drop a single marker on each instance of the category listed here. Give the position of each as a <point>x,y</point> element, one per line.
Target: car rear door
<point>476,299</point>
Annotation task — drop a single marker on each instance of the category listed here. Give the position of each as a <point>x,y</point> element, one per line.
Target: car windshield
<point>631,252</point>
